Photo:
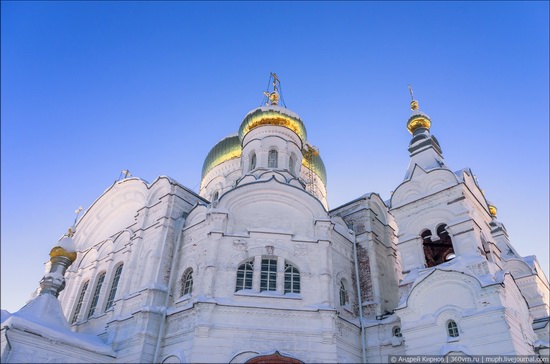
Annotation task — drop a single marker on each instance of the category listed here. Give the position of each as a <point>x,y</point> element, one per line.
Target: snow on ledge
<point>44,317</point>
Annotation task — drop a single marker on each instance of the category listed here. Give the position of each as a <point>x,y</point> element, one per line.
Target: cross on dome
<point>273,97</point>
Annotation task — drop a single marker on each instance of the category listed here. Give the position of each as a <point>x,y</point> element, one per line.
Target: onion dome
<point>226,149</point>
<point>418,119</point>
<point>65,247</point>
<point>492,210</point>
<point>58,251</point>
<point>316,165</point>
<point>273,115</point>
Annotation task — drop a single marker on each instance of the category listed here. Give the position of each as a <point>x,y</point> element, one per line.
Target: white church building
<point>256,269</point>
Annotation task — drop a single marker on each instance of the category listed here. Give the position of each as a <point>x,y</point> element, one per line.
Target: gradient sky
<point>91,88</point>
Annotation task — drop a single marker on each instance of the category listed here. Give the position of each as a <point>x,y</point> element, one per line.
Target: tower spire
<point>424,148</point>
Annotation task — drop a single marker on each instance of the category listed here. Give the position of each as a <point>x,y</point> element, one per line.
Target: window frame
<point>291,279</point>
<point>273,158</point>
<point>246,281</point>
<point>114,287</point>
<point>79,303</point>
<point>186,288</point>
<point>268,276</point>
<point>95,298</point>
<point>453,331</point>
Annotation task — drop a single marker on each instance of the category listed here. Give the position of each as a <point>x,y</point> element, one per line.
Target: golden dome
<point>418,119</point>
<point>315,164</point>
<point>273,115</point>
<point>493,210</point>
<point>58,251</point>
<point>226,149</point>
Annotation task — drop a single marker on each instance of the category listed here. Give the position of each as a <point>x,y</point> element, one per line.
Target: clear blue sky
<point>91,88</point>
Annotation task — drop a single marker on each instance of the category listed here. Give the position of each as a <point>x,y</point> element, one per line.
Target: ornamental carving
<point>240,245</point>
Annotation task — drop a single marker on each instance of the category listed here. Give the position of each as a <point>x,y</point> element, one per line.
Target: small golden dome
<point>418,122</point>
<point>493,210</point>
<point>418,119</point>
<point>58,251</point>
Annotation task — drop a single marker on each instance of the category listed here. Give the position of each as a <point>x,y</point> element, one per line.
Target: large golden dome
<point>273,115</point>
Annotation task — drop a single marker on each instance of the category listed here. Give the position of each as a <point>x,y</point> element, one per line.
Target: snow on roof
<point>460,173</point>
<point>4,316</point>
<point>419,113</point>
<point>43,316</point>
<point>67,243</point>
<point>530,260</point>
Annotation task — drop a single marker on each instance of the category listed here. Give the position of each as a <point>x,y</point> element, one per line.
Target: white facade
<point>255,266</point>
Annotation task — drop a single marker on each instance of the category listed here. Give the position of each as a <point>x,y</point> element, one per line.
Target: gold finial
<point>71,232</point>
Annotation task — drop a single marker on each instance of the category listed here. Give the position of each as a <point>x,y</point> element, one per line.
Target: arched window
<point>114,286</point>
<point>272,158</point>
<point>252,161</point>
<point>292,165</point>
<point>97,291</point>
<point>215,196</point>
<point>79,302</point>
<point>438,250</point>
<point>268,275</point>
<point>292,279</point>
<point>396,331</point>
<point>244,276</point>
<point>344,298</point>
<point>452,329</point>
<point>426,235</point>
<point>187,282</point>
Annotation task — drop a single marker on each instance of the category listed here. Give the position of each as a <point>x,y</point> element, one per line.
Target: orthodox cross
<point>411,92</point>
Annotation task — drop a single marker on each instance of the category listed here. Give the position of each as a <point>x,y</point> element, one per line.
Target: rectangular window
<point>268,277</point>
